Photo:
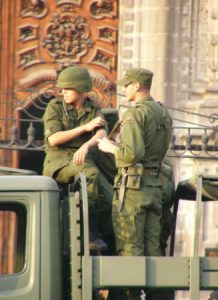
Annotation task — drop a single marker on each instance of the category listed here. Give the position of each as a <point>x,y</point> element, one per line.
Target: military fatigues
<point>58,161</point>
<point>145,137</point>
<point>168,198</point>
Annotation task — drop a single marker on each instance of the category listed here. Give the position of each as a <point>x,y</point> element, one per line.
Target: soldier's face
<point>130,91</point>
<point>71,96</point>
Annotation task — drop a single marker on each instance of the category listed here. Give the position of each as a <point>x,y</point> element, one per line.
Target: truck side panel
<point>24,283</point>
<point>37,271</point>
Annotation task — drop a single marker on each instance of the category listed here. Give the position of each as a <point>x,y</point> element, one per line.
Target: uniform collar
<point>87,106</point>
<point>144,99</point>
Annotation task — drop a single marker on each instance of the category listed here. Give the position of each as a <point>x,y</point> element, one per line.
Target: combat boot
<point>156,295</point>
<point>133,294</point>
<point>95,241</point>
<point>117,294</point>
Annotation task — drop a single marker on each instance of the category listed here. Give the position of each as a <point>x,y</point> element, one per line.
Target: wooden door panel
<point>54,34</point>
<point>38,39</point>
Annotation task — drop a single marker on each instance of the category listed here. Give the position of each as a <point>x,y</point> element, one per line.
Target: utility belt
<point>130,177</point>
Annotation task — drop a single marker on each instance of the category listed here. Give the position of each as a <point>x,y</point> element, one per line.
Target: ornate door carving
<point>54,34</point>
<point>40,38</point>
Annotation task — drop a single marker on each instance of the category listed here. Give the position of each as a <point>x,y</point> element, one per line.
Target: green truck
<point>44,250</point>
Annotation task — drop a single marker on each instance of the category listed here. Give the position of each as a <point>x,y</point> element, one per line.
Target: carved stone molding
<point>104,59</point>
<point>74,2</point>
<point>213,44</point>
<point>34,79</point>
<point>29,57</point>
<point>198,32</point>
<point>33,8</point>
<point>101,82</point>
<point>100,9</point>
<point>28,32</point>
<point>107,34</point>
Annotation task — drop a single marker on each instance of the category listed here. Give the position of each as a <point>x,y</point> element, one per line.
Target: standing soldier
<point>72,126</point>
<point>137,203</point>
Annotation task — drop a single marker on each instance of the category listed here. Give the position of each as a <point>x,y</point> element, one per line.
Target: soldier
<point>137,202</point>
<point>72,126</point>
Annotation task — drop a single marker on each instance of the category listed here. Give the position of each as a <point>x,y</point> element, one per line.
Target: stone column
<point>143,40</point>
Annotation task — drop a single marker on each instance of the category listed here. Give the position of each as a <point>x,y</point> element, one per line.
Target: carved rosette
<point>68,36</point>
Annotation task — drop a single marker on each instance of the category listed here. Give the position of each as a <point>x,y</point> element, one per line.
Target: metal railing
<point>25,127</point>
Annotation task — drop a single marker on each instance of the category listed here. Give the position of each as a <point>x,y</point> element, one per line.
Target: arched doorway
<point>31,133</point>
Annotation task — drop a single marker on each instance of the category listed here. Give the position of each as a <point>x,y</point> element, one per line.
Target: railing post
<point>86,259</point>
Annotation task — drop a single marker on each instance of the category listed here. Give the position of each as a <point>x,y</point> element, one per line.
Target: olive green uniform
<point>58,161</point>
<point>145,137</point>
<point>168,198</point>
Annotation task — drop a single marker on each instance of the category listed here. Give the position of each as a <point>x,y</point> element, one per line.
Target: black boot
<point>117,294</point>
<point>156,294</point>
<point>95,241</point>
<point>133,294</point>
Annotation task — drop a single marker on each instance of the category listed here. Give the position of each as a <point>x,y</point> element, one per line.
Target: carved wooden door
<point>38,39</point>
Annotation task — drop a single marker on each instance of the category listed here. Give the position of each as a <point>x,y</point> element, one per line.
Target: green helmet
<point>76,78</point>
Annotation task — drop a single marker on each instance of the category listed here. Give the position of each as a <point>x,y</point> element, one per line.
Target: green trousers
<point>137,227</point>
<point>100,192</point>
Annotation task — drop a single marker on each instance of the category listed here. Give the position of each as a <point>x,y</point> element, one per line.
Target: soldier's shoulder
<point>130,115</point>
<point>91,103</point>
<point>54,101</point>
<point>163,106</point>
<point>145,106</point>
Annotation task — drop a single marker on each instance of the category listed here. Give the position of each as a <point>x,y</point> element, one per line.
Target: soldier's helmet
<point>77,78</point>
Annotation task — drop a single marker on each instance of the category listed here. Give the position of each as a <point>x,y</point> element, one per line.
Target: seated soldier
<point>72,125</point>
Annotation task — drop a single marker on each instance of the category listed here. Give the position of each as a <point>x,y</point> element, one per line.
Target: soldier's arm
<point>80,155</point>
<point>63,136</point>
<point>132,147</point>
<point>107,145</point>
<point>100,132</point>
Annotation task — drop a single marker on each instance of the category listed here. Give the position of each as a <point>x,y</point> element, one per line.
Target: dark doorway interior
<point>31,127</point>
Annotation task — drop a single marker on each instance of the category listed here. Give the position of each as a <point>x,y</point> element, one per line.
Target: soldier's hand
<point>80,155</point>
<point>107,145</point>
<point>95,123</point>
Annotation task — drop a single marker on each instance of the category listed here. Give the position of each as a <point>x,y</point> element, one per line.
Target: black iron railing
<point>25,128</point>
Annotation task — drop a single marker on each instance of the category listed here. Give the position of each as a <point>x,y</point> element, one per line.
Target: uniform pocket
<point>133,182</point>
<point>134,176</point>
